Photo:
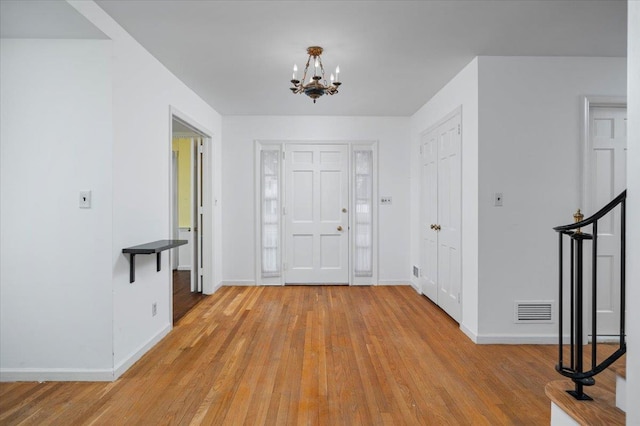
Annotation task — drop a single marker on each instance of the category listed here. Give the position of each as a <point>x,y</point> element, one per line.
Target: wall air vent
<point>533,311</point>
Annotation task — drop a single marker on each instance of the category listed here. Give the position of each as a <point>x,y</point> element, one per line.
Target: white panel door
<point>316,214</point>
<point>441,189</point>
<point>449,217</point>
<point>429,216</point>
<point>609,171</point>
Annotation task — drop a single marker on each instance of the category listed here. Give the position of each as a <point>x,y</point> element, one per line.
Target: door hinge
<point>200,149</point>
<point>283,155</point>
<point>420,149</point>
<point>284,266</point>
<point>458,297</point>
<point>458,129</point>
<point>284,211</point>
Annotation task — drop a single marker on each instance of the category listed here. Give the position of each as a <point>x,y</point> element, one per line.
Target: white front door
<point>441,189</point>
<point>316,214</point>
<point>608,179</point>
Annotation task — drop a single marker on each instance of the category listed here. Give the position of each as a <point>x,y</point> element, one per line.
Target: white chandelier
<point>313,87</point>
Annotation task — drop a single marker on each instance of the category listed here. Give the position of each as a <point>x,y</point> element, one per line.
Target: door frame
<point>586,173</point>
<point>281,147</point>
<point>208,286</point>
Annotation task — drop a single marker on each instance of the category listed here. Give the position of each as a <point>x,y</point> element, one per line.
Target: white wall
<point>530,150</point>
<point>144,91</point>
<point>521,136</point>
<point>240,132</point>
<point>633,212</point>
<point>88,115</point>
<point>462,90</point>
<point>55,278</point>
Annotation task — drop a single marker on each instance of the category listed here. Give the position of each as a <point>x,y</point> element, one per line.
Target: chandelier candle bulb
<point>337,72</point>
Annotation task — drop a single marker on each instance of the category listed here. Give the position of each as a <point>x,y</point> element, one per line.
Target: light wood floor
<point>306,355</point>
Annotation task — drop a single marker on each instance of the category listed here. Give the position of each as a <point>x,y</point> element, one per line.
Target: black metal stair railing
<point>576,364</point>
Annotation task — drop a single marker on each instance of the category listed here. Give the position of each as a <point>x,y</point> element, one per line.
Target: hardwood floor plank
<point>307,355</point>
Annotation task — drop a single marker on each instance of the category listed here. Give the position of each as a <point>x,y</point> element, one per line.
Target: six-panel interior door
<point>316,215</point>
<point>609,171</point>
<point>441,216</point>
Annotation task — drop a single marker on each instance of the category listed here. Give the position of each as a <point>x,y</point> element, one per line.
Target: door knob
<point>339,228</point>
<point>432,226</point>
<point>344,210</point>
<point>437,227</point>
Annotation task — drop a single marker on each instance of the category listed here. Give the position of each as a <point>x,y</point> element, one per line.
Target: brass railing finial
<point>577,217</point>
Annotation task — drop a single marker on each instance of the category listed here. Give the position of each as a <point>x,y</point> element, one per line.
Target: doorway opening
<point>190,168</point>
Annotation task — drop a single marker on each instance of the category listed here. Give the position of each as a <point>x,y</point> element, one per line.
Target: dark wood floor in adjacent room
<point>306,355</point>
<point>183,299</point>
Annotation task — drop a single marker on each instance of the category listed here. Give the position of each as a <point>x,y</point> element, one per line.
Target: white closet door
<point>609,168</point>
<point>441,190</point>
<point>316,214</point>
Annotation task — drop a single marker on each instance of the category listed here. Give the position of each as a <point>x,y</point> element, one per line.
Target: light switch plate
<point>85,199</point>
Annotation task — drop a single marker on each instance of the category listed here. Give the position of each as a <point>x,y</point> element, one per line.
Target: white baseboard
<point>184,267</point>
<point>215,288</point>
<point>239,283</point>
<point>394,282</point>
<point>55,375</point>
<point>79,375</point>
<point>470,334</point>
<point>134,357</point>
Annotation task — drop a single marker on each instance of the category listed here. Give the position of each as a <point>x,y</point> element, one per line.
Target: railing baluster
<point>594,296</point>
<point>623,276</point>
<point>560,312</point>
<point>579,393</point>
<point>572,305</point>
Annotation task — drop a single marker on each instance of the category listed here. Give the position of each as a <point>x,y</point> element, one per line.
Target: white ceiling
<point>49,19</point>
<point>393,55</point>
